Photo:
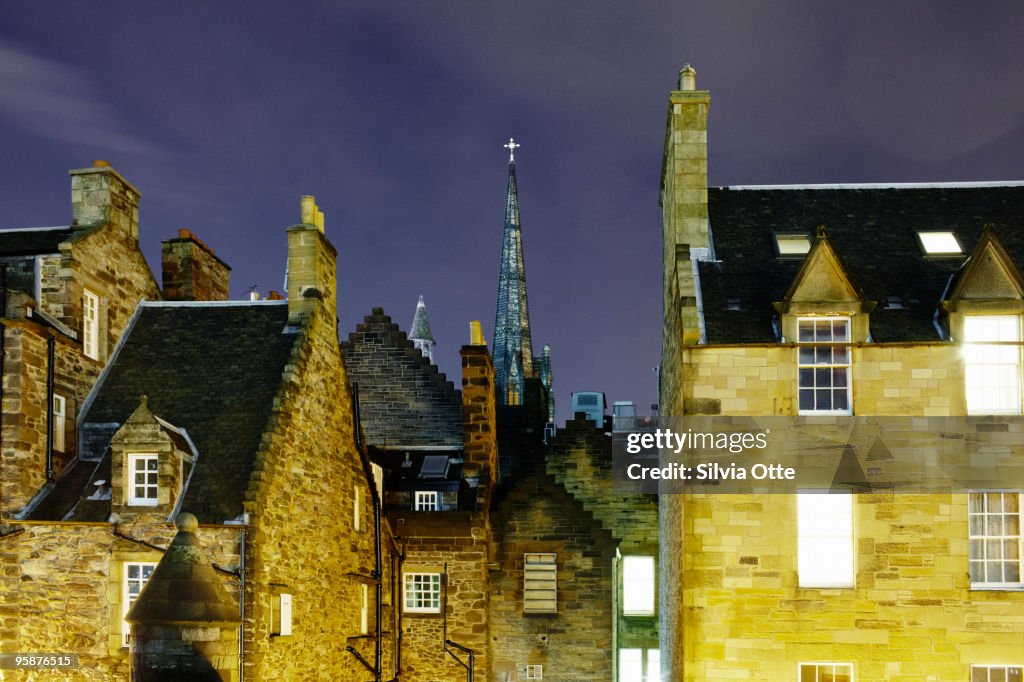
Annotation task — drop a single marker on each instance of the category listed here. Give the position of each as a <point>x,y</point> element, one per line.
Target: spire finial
<point>511,147</point>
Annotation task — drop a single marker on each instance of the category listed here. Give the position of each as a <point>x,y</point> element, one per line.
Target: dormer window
<point>939,243</point>
<point>143,473</point>
<point>791,244</point>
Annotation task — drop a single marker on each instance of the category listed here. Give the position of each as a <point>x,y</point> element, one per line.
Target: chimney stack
<point>100,196</point>
<point>191,271</point>
<point>312,263</point>
<point>479,417</point>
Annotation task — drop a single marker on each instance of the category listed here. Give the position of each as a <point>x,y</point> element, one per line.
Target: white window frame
<point>540,582</point>
<point>90,324</point>
<point>992,373</point>
<point>989,530</point>
<point>650,665</point>
<point>421,592</point>
<point>127,597</point>
<point>825,530</point>
<point>364,609</point>
<point>814,359</point>
<point>357,508</point>
<point>820,664</point>
<point>639,585</point>
<point>987,671</point>
<point>378,480</point>
<point>59,422</point>
<point>426,500</point>
<point>281,626</point>
<point>145,500</point>
<point>534,671</point>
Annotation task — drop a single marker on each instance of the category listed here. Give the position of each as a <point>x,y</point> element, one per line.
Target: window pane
<point>638,585</point>
<point>631,665</point>
<point>825,540</point>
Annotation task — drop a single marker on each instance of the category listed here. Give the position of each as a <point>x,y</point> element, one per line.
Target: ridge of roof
<point>881,185</point>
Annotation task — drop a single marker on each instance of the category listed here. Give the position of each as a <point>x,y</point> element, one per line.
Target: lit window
<point>59,422</point>
<point>364,609</point>
<point>378,480</point>
<point>995,539</point>
<point>281,615</point>
<point>639,665</point>
<point>826,672</point>
<point>540,583</point>
<point>357,508</point>
<point>792,244</point>
<point>422,593</point>
<point>824,370</point>
<point>997,673</point>
<point>426,500</point>
<point>142,480</point>
<point>90,324</point>
<point>535,672</point>
<point>992,372</point>
<point>134,579</point>
<point>825,539</point>
<point>939,243</point>
<point>638,585</point>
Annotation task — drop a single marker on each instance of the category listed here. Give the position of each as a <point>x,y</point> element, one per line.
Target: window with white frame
<point>90,324</point>
<point>59,422</point>
<point>281,615</point>
<point>997,673</point>
<point>638,585</point>
<point>426,500</point>
<point>143,473</point>
<point>823,384</point>
<point>534,671</point>
<point>422,593</point>
<point>825,539</point>
<point>639,665</point>
<point>378,480</point>
<point>364,608</point>
<point>826,672</point>
<point>992,364</point>
<point>996,550</point>
<point>357,508</point>
<point>134,577</point>
<point>540,583</point>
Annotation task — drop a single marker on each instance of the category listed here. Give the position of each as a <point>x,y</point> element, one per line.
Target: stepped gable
<point>874,232</point>
<point>403,398</point>
<point>580,459</point>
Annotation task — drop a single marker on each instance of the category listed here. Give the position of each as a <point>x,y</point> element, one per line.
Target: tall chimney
<point>684,198</point>
<point>312,263</point>
<point>479,425</point>
<point>100,195</point>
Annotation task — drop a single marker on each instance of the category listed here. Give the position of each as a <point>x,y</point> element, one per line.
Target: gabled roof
<point>212,369</point>
<point>34,241</point>
<point>873,230</point>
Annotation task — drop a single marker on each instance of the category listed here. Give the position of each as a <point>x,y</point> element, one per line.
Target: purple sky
<point>393,114</point>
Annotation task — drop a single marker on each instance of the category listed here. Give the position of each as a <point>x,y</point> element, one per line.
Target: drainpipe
<point>379,575</point>
<point>3,334</point>
<point>241,600</point>
<point>49,408</point>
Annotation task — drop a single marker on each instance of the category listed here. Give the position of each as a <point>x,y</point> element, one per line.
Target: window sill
<point>997,588</point>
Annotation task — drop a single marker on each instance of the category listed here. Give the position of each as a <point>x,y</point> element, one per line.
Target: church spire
<point>513,346</point>
<point>419,333</point>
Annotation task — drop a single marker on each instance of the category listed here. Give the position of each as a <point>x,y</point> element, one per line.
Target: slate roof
<point>212,369</point>
<point>873,229</point>
<point>33,241</point>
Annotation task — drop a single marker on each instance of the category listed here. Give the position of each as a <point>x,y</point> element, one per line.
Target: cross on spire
<point>511,147</point>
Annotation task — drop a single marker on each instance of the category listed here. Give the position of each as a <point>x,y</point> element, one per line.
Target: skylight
<point>939,243</point>
<point>434,466</point>
<point>792,244</point>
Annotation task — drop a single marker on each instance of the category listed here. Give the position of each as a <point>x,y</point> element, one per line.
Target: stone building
<point>849,301</point>
<point>217,409</point>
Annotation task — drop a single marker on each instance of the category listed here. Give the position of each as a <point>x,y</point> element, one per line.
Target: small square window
<point>997,673</point>
<point>143,476</point>
<point>826,672</point>
<point>792,244</point>
<point>535,672</point>
<point>939,243</point>
<point>426,500</point>
<point>422,593</point>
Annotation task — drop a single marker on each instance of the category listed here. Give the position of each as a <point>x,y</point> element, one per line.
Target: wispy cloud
<point>60,102</point>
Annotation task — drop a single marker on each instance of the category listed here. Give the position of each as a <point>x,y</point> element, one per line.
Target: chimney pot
<point>184,234</point>
<point>254,295</point>
<point>687,78</point>
<point>476,334</point>
<point>100,163</point>
<point>308,210</point>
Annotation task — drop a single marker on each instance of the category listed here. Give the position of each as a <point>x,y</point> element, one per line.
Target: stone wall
<point>305,539</point>
<point>68,578</point>
<point>403,399</point>
<point>538,515</point>
<point>191,271</point>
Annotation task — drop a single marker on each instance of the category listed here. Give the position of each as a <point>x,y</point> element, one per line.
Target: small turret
<point>420,334</point>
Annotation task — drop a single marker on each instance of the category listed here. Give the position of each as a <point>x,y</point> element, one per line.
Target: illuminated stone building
<point>845,301</point>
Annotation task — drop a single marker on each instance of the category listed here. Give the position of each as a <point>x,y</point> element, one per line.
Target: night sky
<point>394,114</point>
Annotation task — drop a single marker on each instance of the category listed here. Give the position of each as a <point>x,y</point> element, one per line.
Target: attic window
<point>791,244</point>
<point>939,243</point>
<point>434,466</point>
